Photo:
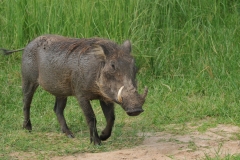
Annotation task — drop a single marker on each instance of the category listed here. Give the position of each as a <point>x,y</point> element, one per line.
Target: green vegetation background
<point>187,52</point>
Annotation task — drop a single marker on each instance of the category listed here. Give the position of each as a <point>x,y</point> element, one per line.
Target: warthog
<point>88,69</point>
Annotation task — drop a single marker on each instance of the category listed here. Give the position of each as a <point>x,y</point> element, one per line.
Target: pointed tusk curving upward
<point>119,97</point>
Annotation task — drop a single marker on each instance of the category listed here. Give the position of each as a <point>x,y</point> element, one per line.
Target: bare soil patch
<point>219,141</point>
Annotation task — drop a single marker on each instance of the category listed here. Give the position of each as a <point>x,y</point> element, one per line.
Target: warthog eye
<point>113,66</point>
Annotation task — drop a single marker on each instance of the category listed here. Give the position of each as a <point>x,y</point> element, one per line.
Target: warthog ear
<point>98,51</point>
<point>127,45</point>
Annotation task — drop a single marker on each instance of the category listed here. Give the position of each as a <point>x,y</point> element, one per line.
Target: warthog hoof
<point>96,141</point>
<point>27,125</point>
<point>70,136</point>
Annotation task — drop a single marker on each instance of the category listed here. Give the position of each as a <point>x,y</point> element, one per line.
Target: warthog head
<point>117,80</point>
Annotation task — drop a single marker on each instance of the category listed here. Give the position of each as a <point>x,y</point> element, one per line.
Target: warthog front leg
<point>90,118</point>
<point>108,110</point>
<point>59,107</point>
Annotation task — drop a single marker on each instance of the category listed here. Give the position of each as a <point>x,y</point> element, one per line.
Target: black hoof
<point>104,137</point>
<point>70,136</point>
<point>27,127</point>
<point>96,142</point>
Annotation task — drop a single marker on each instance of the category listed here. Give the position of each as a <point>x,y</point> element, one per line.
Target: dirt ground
<point>219,141</point>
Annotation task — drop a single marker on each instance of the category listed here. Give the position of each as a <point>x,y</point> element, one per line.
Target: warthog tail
<point>8,52</point>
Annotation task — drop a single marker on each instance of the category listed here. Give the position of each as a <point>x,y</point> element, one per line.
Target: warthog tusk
<point>145,92</point>
<point>119,97</point>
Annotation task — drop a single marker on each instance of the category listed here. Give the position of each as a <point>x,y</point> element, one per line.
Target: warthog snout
<point>131,100</point>
<point>134,112</point>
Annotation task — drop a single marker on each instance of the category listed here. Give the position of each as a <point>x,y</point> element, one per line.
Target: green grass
<point>187,52</point>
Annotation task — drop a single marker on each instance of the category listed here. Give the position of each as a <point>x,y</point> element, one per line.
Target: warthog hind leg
<point>28,92</point>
